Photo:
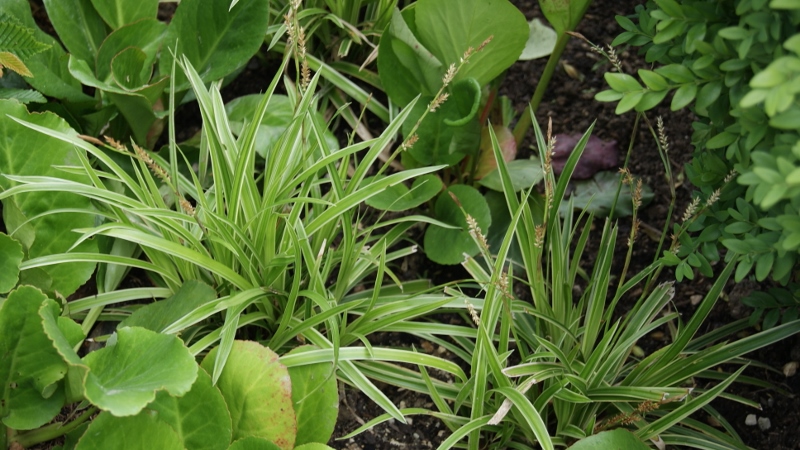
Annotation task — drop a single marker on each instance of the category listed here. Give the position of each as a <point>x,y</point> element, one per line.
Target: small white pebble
<point>764,423</point>
<point>695,299</point>
<point>790,368</point>
<point>409,421</point>
<point>416,436</point>
<point>750,420</point>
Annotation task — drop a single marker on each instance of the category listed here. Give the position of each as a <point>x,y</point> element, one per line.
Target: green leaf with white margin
<point>216,40</point>
<point>541,41</point>
<point>65,334</point>
<point>448,246</point>
<point>449,27</point>
<point>30,366</point>
<point>315,396</point>
<point>117,13</point>
<point>141,432</point>
<point>608,440</point>
<point>9,265</point>
<point>159,315</point>
<point>78,25</point>
<point>253,443</point>
<point>28,152</point>
<point>200,417</point>
<point>400,198</point>
<point>258,391</point>
<point>49,68</point>
<point>125,377</point>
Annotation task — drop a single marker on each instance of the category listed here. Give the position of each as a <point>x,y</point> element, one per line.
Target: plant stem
<point>525,121</point>
<point>52,431</point>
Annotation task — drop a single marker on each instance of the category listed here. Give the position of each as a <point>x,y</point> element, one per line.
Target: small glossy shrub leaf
<point>524,174</point>
<point>400,198</point>
<point>78,25</point>
<point>541,41</point>
<point>316,400</point>
<point>9,264</point>
<point>216,40</point>
<point>117,13</point>
<point>159,315</point>
<point>29,366</point>
<point>125,377</point>
<point>448,27</point>
<point>200,417</point>
<point>448,246</point>
<point>29,152</point>
<point>258,391</point>
<point>607,440</point>
<point>140,432</point>
<point>253,443</point>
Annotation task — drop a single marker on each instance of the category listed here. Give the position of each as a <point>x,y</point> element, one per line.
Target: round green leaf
<point>258,391</point>
<point>140,432</point>
<point>608,440</point>
<point>448,246</point>
<point>29,366</point>
<point>216,38</point>
<point>449,27</point>
<point>541,41</point>
<point>200,417</point>
<point>400,198</point>
<point>9,265</point>
<point>315,397</point>
<point>125,377</point>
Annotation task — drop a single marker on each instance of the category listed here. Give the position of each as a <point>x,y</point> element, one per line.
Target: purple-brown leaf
<point>598,155</point>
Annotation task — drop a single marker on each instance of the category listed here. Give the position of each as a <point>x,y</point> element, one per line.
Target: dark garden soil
<point>570,104</point>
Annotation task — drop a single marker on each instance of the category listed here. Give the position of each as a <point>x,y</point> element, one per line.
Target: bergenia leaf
<point>125,377</point>
<point>9,265</point>
<point>316,400</point>
<point>141,432</point>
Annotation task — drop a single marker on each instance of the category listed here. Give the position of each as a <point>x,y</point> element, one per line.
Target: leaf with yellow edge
<point>11,61</point>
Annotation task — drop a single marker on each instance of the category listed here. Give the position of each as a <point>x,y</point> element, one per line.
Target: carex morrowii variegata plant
<point>556,364</point>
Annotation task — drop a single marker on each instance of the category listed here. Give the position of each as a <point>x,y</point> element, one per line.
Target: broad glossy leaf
<point>9,264</point>
<point>117,13</point>
<point>64,334</point>
<point>597,195</point>
<point>448,246</point>
<point>541,41</point>
<point>258,391</point>
<point>161,314</point>
<point>449,27</point>
<point>524,174</point>
<point>315,397</point>
<point>128,69</point>
<point>125,377</point>
<point>145,35</point>
<point>564,15</point>
<point>30,366</point>
<point>78,25</point>
<point>199,417</point>
<point>400,198</point>
<point>253,443</point>
<point>28,152</point>
<point>607,440</point>
<point>141,432</point>
<point>216,40</point>
<point>406,67</point>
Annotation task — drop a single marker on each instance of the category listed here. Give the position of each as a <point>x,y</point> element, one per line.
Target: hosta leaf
<point>541,41</point>
<point>78,25</point>
<point>30,366</point>
<point>9,264</point>
<point>216,40</point>
<point>253,443</point>
<point>315,397</point>
<point>159,315</point>
<point>117,13</point>
<point>199,417</point>
<point>145,35</point>
<point>142,432</point>
<point>258,391</point>
<point>448,246</point>
<point>125,377</point>
<point>28,152</point>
